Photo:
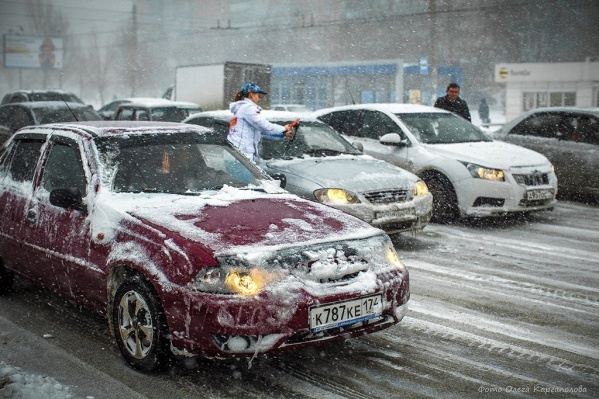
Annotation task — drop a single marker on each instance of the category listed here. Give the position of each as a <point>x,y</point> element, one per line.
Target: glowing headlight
<point>420,188</point>
<point>392,257</point>
<point>480,172</point>
<point>336,196</point>
<point>242,283</point>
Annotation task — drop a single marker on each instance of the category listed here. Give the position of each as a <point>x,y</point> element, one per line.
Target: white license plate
<point>343,313</point>
<point>542,194</point>
<point>397,214</point>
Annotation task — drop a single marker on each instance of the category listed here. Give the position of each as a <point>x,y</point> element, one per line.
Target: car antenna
<point>351,96</point>
<point>69,108</point>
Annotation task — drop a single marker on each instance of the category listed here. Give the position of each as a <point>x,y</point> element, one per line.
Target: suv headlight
<point>336,196</point>
<point>481,172</point>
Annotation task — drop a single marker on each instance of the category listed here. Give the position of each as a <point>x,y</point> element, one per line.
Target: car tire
<point>139,326</point>
<point>445,200</point>
<point>6,280</point>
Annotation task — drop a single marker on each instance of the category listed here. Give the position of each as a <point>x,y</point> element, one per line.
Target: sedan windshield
<point>173,163</point>
<point>312,139</point>
<point>441,128</point>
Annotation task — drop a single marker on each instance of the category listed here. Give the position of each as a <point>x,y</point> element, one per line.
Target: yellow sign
<point>503,73</point>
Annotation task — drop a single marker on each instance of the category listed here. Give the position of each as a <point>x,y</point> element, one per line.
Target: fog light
<point>238,344</point>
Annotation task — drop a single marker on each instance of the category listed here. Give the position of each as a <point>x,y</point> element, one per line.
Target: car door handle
<point>31,216</point>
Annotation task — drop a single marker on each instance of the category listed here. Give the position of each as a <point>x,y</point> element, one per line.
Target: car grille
<point>387,196</point>
<point>533,179</point>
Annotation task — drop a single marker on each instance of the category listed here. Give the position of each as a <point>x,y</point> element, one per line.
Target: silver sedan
<point>320,165</point>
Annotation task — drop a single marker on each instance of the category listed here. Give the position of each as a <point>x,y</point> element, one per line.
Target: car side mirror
<point>69,198</point>
<point>393,139</point>
<point>280,177</point>
<point>358,146</point>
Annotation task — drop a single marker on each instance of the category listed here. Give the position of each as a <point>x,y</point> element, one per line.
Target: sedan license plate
<point>543,194</point>
<point>341,314</point>
<point>400,214</point>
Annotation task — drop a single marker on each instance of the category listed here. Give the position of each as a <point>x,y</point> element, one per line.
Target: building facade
<point>536,85</point>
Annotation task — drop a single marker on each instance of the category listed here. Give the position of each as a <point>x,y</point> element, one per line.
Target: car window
<point>64,169</point>
<point>313,139</point>
<point>539,125</point>
<point>19,118</point>
<point>376,124</point>
<point>21,162</point>
<point>442,128</point>
<point>142,115</point>
<point>168,114</point>
<point>173,164</point>
<point>346,122</point>
<point>125,114</point>
<point>586,130</point>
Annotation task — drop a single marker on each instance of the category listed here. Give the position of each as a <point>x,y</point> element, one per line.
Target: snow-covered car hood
<point>356,173</point>
<point>231,220</point>
<point>493,154</point>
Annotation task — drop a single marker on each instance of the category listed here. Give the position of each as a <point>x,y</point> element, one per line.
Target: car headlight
<point>420,188</point>
<point>242,282</point>
<point>336,196</point>
<point>392,257</point>
<point>480,172</point>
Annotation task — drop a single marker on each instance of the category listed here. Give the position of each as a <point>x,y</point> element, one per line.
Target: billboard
<point>33,52</point>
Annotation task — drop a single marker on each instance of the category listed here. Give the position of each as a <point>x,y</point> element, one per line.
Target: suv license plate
<point>543,194</point>
<point>340,314</point>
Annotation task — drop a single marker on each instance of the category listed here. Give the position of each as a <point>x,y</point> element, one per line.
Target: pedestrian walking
<point>452,102</point>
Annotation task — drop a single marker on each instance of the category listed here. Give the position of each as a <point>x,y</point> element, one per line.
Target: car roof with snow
<point>393,108</point>
<point>103,128</point>
<point>226,115</point>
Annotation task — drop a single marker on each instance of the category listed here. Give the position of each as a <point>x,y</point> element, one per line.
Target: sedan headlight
<point>420,188</point>
<point>480,172</point>
<point>234,280</point>
<point>243,282</point>
<point>336,196</point>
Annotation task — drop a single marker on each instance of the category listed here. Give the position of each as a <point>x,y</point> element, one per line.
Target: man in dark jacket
<point>453,103</point>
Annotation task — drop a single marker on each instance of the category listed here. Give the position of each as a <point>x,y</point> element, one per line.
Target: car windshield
<point>312,138</point>
<point>173,163</point>
<point>54,115</point>
<point>442,128</point>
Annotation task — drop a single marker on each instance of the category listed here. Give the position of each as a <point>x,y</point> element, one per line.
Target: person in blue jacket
<point>248,125</point>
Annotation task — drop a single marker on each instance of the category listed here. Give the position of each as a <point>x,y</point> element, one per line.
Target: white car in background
<point>467,172</point>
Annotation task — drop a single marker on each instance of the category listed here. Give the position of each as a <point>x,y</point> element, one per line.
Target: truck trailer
<point>213,86</point>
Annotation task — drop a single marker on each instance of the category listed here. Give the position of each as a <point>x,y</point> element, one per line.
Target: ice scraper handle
<point>292,128</point>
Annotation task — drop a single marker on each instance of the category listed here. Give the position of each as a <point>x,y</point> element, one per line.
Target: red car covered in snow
<point>186,246</point>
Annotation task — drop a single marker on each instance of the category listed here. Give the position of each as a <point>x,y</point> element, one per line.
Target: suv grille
<point>533,179</point>
<point>387,196</point>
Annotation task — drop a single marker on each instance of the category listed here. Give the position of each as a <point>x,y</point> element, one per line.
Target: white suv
<point>467,172</point>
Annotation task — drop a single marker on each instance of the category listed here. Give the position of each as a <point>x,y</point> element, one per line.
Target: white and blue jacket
<point>248,126</point>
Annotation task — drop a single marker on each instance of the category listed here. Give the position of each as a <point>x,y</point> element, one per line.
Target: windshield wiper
<point>323,152</point>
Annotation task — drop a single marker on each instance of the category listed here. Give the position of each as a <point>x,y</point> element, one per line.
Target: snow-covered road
<point>498,309</point>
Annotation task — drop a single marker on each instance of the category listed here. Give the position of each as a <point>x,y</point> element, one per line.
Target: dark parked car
<point>159,109</point>
<point>19,96</point>
<point>108,110</point>
<point>16,115</point>
<point>143,222</point>
<point>568,136</point>
<point>320,165</point>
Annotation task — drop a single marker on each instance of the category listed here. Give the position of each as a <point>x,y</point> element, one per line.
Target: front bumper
<point>232,326</point>
<point>483,198</point>
<point>394,217</point>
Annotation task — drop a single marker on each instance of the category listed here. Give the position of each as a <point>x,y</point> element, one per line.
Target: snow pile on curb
<point>15,384</point>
